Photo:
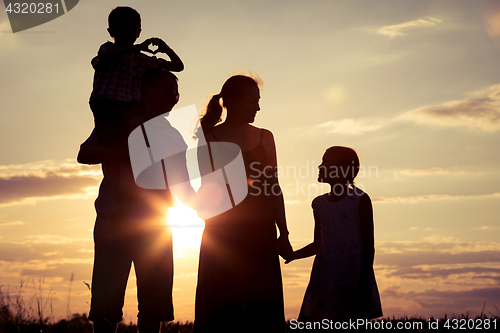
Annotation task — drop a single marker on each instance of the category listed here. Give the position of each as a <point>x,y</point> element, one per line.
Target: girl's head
<point>240,96</point>
<point>340,165</point>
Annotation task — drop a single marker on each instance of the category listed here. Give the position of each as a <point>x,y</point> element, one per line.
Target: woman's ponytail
<point>212,114</point>
<point>232,88</point>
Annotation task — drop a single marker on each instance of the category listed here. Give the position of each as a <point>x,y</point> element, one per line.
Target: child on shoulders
<point>117,85</point>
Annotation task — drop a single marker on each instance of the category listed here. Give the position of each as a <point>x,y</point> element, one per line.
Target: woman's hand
<point>291,258</point>
<point>285,249</point>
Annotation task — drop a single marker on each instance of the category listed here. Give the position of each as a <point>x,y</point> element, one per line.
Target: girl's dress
<point>239,278</point>
<point>334,291</point>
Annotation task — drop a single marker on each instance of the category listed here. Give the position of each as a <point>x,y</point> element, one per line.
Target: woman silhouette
<point>239,278</point>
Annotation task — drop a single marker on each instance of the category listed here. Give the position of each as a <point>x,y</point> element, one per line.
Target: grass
<point>35,315</point>
<point>18,314</point>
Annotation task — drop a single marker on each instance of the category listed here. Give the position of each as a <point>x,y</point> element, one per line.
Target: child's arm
<point>311,249</point>
<point>367,235</point>
<point>175,64</point>
<point>114,52</point>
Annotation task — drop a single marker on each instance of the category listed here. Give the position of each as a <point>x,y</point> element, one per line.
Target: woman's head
<point>240,96</point>
<point>339,165</point>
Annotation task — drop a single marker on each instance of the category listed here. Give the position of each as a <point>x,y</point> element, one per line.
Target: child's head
<point>124,25</point>
<point>340,166</point>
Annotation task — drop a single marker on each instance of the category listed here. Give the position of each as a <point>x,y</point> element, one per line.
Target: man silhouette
<point>143,237</point>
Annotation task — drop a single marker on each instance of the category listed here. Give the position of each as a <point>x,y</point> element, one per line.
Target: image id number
<point>32,8</point>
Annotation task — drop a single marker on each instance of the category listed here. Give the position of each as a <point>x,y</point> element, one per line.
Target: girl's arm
<point>367,235</point>
<point>311,249</point>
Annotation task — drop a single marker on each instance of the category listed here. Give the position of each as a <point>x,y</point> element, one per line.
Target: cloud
<point>488,227</point>
<point>41,168</point>
<point>437,303</point>
<point>81,271</point>
<point>4,223</point>
<point>293,202</point>
<point>350,126</point>
<point>46,179</point>
<point>430,277</point>
<point>45,248</point>
<point>50,239</point>
<point>420,273</point>
<point>479,112</point>
<point>437,275</point>
<point>430,171</point>
<point>494,25</point>
<point>431,197</point>
<point>400,29</point>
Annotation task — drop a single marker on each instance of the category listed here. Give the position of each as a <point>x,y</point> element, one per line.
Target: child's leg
<point>110,125</point>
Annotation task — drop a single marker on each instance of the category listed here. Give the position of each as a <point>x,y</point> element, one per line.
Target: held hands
<point>154,41</point>
<point>285,249</point>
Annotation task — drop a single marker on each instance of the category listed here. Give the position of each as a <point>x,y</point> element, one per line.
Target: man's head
<point>124,25</point>
<point>159,92</point>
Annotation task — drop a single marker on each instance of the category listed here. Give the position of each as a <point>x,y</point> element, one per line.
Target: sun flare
<point>187,227</point>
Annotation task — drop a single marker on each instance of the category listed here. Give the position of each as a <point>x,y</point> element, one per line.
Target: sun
<point>187,227</point>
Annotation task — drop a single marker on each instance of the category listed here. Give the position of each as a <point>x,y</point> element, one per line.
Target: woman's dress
<point>239,278</point>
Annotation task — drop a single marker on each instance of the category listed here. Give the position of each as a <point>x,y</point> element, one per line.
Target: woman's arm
<point>285,248</point>
<point>311,249</point>
<point>367,235</point>
<point>279,203</point>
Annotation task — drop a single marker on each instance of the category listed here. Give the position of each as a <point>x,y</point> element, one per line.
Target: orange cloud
<point>480,112</point>
<point>402,28</point>
<point>430,171</point>
<point>494,25</point>
<point>19,183</point>
<point>430,197</point>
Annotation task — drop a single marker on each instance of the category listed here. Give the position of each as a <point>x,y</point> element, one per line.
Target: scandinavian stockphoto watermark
<point>298,181</point>
<point>24,15</point>
<point>164,154</point>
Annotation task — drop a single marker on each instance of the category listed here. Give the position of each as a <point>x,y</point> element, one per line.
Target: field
<point>35,315</point>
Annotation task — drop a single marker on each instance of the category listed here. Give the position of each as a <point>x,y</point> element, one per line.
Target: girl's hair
<point>347,160</point>
<point>232,88</point>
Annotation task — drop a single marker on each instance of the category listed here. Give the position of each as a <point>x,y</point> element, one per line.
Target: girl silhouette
<point>342,284</point>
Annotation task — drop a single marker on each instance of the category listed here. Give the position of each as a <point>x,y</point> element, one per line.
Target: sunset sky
<point>413,86</point>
